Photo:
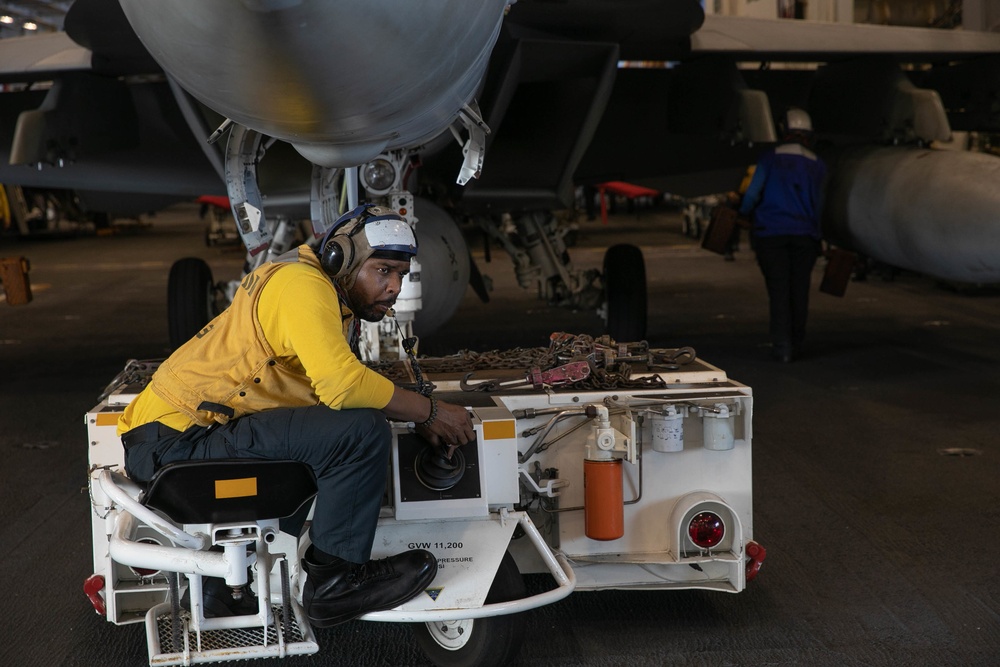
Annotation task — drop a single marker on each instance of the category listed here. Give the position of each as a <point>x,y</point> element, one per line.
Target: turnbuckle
<point>535,377</point>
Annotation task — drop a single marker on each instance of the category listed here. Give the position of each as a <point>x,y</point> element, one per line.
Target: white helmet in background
<point>797,120</point>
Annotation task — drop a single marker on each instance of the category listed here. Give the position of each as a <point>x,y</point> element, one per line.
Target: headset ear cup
<point>337,256</point>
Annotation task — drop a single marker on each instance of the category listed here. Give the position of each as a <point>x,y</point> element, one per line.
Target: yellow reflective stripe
<point>108,418</point>
<point>499,430</point>
<point>235,488</point>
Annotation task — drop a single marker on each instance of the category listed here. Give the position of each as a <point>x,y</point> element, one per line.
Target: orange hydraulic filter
<point>603,505</point>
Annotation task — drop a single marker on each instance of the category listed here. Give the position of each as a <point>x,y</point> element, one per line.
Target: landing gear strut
<point>535,241</point>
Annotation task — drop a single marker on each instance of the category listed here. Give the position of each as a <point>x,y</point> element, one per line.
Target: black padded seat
<point>230,490</point>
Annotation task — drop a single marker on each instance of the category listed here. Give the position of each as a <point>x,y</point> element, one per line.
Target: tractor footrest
<point>224,645</point>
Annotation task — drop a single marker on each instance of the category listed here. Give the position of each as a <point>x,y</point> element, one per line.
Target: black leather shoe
<point>344,591</point>
<point>218,599</point>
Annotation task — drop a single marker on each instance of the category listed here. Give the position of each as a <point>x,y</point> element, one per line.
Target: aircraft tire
<point>483,642</point>
<point>625,293</point>
<point>189,299</point>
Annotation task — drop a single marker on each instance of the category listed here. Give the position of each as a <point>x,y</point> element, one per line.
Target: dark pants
<point>347,449</point>
<point>787,263</point>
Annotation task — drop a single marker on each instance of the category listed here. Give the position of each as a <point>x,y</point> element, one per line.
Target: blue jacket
<point>786,192</point>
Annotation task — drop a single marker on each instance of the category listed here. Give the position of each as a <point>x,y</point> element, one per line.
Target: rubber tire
<point>190,299</point>
<point>625,293</point>
<point>495,641</point>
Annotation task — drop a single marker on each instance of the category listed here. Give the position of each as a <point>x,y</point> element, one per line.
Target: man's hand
<point>451,428</point>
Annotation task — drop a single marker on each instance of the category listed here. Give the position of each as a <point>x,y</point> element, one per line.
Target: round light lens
<point>706,530</point>
<point>378,176</point>
<point>144,572</point>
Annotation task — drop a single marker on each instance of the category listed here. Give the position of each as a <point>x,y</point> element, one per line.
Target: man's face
<point>377,286</point>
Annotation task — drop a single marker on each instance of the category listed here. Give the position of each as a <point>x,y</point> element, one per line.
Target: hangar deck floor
<point>882,541</point>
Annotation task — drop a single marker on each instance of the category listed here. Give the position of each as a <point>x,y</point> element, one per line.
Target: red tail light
<point>706,530</point>
<point>143,571</point>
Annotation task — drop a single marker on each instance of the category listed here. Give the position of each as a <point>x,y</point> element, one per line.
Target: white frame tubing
<point>208,563</point>
<point>168,559</point>
<point>558,566</point>
<point>147,516</point>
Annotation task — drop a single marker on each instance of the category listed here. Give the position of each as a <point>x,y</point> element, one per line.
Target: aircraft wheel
<point>482,642</point>
<point>625,292</point>
<point>190,299</point>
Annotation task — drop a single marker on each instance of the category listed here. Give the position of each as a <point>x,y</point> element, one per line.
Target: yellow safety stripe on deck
<point>108,418</point>
<point>235,488</point>
<point>499,430</point>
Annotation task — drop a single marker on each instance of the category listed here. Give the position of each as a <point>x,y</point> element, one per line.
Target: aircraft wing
<point>39,56</point>
<point>341,83</point>
<point>884,101</point>
<point>89,110</point>
<point>786,40</point>
<point>642,29</point>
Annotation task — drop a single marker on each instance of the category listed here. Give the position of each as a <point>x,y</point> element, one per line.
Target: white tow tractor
<point>601,465</point>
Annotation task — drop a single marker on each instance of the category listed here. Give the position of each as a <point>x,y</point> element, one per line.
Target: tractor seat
<point>230,490</point>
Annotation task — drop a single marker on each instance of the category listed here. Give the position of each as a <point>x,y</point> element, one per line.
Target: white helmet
<point>367,231</point>
<point>797,120</point>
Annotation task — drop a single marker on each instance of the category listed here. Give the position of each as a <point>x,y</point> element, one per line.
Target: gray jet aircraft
<point>493,113</point>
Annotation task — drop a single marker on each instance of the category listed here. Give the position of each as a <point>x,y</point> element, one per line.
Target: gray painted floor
<point>882,550</point>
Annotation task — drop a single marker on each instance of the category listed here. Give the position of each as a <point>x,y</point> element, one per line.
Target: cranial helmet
<point>367,231</point>
<point>797,120</point>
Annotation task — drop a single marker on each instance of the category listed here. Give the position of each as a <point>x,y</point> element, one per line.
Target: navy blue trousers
<point>348,451</point>
<point>787,263</point>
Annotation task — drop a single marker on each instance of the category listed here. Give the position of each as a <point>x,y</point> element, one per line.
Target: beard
<point>369,314</point>
<point>372,312</point>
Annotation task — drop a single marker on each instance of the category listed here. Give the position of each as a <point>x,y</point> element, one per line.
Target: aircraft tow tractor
<point>597,465</point>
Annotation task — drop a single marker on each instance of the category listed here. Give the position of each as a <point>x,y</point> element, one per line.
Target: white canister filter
<point>718,428</point>
<point>668,430</point>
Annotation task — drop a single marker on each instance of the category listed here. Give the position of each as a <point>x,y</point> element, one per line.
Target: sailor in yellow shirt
<point>276,376</point>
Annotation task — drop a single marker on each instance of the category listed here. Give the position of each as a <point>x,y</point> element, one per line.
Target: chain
<point>136,372</point>
<point>611,363</point>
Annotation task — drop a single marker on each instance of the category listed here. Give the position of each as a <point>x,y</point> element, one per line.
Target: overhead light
<point>6,19</point>
<point>28,25</point>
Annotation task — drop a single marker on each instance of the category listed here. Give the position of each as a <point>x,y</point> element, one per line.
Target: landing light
<point>378,176</point>
<point>706,530</point>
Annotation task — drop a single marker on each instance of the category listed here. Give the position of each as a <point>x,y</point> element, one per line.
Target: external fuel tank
<point>936,212</point>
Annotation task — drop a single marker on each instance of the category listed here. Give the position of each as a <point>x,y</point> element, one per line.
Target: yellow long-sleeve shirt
<point>300,319</point>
